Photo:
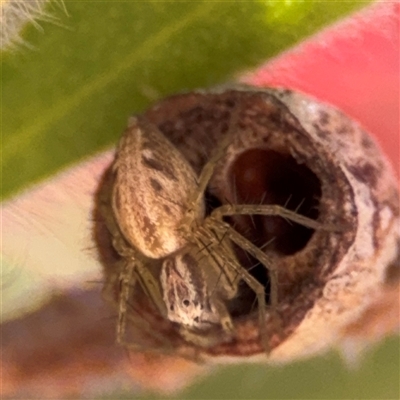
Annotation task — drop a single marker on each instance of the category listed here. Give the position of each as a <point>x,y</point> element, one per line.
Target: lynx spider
<point>158,213</point>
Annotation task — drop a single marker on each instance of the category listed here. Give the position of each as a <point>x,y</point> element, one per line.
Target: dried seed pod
<point>308,157</point>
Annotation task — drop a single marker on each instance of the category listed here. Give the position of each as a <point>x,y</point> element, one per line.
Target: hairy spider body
<point>158,213</point>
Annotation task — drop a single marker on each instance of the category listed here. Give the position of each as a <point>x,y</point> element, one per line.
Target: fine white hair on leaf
<point>16,15</point>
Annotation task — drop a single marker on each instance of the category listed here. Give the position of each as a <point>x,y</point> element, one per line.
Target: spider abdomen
<point>151,187</point>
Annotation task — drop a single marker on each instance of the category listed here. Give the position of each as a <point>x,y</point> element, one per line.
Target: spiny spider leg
<point>203,244</point>
<point>222,254</point>
<point>215,224</point>
<point>229,261</point>
<point>218,251</point>
<point>209,168</point>
<point>196,198</point>
<point>132,271</point>
<point>146,278</point>
<point>127,280</point>
<point>137,320</point>
<point>269,210</point>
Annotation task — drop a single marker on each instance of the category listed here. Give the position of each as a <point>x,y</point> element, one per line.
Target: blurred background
<point>72,72</point>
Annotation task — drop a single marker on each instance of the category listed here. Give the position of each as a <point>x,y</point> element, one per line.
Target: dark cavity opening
<point>269,177</point>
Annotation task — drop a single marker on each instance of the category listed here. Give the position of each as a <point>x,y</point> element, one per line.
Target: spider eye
<point>186,303</point>
<point>171,307</point>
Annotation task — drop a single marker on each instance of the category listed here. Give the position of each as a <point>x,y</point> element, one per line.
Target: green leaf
<point>325,377</point>
<point>70,92</point>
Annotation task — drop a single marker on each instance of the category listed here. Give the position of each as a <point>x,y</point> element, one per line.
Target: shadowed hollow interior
<point>264,176</point>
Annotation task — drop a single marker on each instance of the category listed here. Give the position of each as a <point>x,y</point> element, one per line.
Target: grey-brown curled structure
<point>287,150</point>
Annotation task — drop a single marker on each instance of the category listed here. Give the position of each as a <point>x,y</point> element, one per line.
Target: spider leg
<point>195,200</point>
<point>217,154</point>
<point>143,324</point>
<point>245,244</point>
<point>151,286</point>
<point>135,260</point>
<point>127,280</point>
<point>133,270</point>
<point>226,320</point>
<point>216,261</point>
<point>230,262</point>
<point>270,210</point>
